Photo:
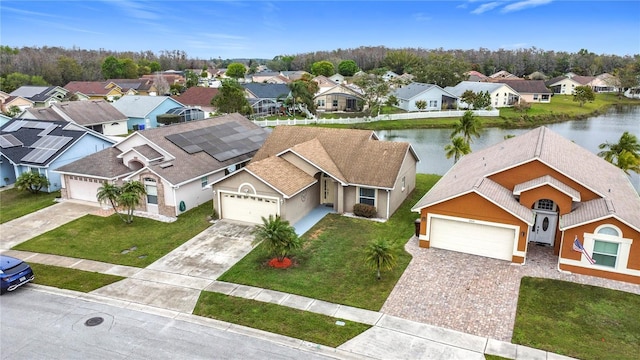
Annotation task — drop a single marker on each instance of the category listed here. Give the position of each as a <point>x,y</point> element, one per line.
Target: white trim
<point>624,249</point>
<point>590,221</point>
<point>253,189</point>
<point>585,264</point>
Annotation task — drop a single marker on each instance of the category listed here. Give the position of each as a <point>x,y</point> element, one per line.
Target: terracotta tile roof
<point>281,175</point>
<point>356,156</point>
<point>197,96</point>
<point>570,159</point>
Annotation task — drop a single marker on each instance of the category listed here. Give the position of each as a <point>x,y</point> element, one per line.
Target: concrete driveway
<point>174,281</point>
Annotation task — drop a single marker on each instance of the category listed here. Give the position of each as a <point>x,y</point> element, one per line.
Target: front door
<point>326,189</point>
<point>544,229</point>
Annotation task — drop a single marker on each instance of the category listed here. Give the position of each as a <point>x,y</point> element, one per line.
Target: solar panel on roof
<point>39,156</point>
<point>16,125</point>
<point>8,140</point>
<point>52,142</point>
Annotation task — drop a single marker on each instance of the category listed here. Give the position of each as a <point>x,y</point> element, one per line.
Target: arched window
<point>545,204</point>
<point>606,245</point>
<point>608,230</point>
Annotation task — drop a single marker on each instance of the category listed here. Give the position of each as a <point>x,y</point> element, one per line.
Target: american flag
<point>578,247</point>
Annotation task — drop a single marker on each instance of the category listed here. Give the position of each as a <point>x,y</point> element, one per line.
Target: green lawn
<point>581,321</point>
<point>330,264</point>
<point>111,240</point>
<point>72,279</point>
<point>316,328</point>
<point>15,203</point>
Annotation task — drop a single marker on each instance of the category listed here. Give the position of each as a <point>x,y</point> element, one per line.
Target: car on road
<point>13,273</point>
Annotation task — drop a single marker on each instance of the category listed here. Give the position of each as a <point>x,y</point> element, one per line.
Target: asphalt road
<point>37,324</point>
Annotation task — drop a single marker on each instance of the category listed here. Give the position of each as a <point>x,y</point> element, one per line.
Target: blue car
<point>13,273</point>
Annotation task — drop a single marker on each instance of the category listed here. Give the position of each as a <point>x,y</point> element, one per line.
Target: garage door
<point>247,208</point>
<point>82,189</point>
<point>472,238</point>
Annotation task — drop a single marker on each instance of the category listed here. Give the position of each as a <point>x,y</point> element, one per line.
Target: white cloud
<point>521,5</point>
<point>486,7</point>
<point>421,17</point>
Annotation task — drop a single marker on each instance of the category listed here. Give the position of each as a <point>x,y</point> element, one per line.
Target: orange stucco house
<point>537,188</point>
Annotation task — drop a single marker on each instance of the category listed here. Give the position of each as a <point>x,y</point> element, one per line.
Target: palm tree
<point>379,254</point>
<point>130,194</point>
<point>457,148</point>
<point>110,192</point>
<point>469,126</point>
<point>278,235</point>
<point>625,154</point>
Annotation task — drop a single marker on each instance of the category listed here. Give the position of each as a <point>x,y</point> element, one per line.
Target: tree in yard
<point>458,148</point>
<point>482,100</point>
<point>347,68</point>
<point>380,254</point>
<point>421,104</point>
<point>12,81</point>
<point>442,70</point>
<point>469,126</point>
<point>110,193</point>
<point>468,97</point>
<point>231,98</point>
<point>522,106</point>
<point>584,93</point>
<point>31,182</point>
<point>625,154</point>
<point>128,68</point>
<point>392,100</point>
<point>126,196</point>
<point>278,236</point>
<point>323,67</point>
<point>302,93</point>
<point>374,89</point>
<point>12,111</point>
<point>629,76</point>
<point>236,70</point>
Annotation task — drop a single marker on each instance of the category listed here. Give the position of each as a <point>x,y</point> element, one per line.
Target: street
<point>37,324</point>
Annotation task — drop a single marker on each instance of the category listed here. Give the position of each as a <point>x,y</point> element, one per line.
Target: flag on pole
<point>579,248</point>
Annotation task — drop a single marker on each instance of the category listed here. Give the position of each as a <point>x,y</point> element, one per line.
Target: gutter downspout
<point>388,200</point>
<point>175,199</point>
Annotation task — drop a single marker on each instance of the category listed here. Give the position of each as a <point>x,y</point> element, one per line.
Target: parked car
<point>13,273</point>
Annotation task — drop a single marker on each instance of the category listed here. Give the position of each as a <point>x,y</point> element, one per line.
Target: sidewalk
<point>389,338</point>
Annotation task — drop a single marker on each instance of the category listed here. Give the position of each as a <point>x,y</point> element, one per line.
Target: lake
<point>588,133</point>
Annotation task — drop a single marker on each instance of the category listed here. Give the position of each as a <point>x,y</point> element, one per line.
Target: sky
<point>229,29</point>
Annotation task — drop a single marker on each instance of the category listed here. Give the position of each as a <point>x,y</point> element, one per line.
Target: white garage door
<point>83,190</point>
<point>247,208</point>
<point>472,238</point>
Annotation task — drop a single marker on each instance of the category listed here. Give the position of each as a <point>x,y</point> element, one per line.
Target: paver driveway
<point>473,294</point>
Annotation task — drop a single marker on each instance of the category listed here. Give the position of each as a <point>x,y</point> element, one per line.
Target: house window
<point>404,183</point>
<point>335,103</point>
<point>433,103</point>
<point>204,181</point>
<point>535,96</point>
<point>320,102</point>
<point>152,191</point>
<point>545,204</point>
<point>367,196</point>
<point>605,253</point>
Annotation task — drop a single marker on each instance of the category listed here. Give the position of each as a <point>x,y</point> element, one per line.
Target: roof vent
<point>166,165</point>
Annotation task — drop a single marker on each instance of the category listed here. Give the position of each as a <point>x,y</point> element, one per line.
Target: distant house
<point>141,86</point>
<point>566,85</point>
<point>605,82</point>
<point>198,97</point>
<point>142,111</point>
<point>434,96</point>
<point>265,98</point>
<point>42,146</point>
<point>531,91</point>
<point>266,77</point>
<point>294,75</point>
<point>176,163</point>
<point>300,168</point>
<point>95,90</point>
<point>502,95</point>
<point>41,95</point>
<point>503,74</point>
<point>97,115</point>
<point>337,78</point>
<point>476,76</point>
<point>339,97</point>
<point>8,101</point>
<point>389,75</point>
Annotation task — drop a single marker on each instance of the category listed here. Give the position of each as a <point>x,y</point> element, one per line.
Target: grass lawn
<point>111,240</point>
<point>330,264</point>
<point>581,321</point>
<point>72,279</point>
<point>316,328</point>
<point>15,203</point>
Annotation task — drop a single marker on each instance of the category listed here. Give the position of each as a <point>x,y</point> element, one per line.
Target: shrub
<point>365,210</point>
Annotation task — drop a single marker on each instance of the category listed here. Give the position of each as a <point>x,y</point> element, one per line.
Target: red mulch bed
<point>285,263</point>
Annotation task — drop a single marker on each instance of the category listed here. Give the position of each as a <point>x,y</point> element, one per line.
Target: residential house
<point>294,75</point>
<point>266,77</point>
<point>8,101</point>
<point>300,168</point>
<point>198,97</point>
<point>531,91</point>
<point>537,189</point>
<point>41,95</point>
<point>266,98</point>
<point>143,111</point>
<point>389,75</point>
<point>97,115</point>
<point>176,163</point>
<point>434,97</point>
<point>141,86</point>
<point>566,85</point>
<point>41,146</point>
<point>338,98</point>
<point>324,83</point>
<point>502,74</point>
<point>337,78</point>
<point>605,82</point>
<point>502,95</point>
<point>476,76</point>
<point>95,90</point>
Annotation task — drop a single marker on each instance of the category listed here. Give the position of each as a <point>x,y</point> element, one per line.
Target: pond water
<point>588,133</point>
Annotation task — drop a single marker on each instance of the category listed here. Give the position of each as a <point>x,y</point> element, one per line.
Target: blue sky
<point>264,29</point>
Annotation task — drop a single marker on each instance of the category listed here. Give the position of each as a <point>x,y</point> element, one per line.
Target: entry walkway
<point>303,225</point>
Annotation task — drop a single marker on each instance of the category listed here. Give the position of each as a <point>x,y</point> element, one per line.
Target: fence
<point>388,117</point>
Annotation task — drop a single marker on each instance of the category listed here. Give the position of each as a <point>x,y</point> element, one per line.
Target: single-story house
<point>198,97</point>
<point>300,168</point>
<point>95,90</point>
<point>8,101</point>
<point>337,78</point>
<point>176,163</point>
<point>531,91</point>
<point>143,111</point>
<point>502,95</point>
<point>42,146</point>
<point>266,98</point>
<point>537,188</point>
<point>434,97</point>
<point>141,86</point>
<point>339,97</point>
<point>566,84</point>
<point>41,95</point>
<point>97,115</point>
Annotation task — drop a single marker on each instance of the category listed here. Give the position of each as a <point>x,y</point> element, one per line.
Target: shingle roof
<point>89,88</point>
<point>561,154</point>
<point>197,96</point>
<point>267,91</point>
<point>527,86</point>
<point>412,90</point>
<point>43,113</point>
<point>90,112</point>
<point>28,91</point>
<point>281,175</point>
<point>474,86</point>
<point>141,106</point>
<point>335,151</point>
<point>103,164</point>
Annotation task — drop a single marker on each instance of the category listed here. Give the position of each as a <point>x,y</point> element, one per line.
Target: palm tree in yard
<point>625,154</point>
<point>110,193</point>
<point>279,237</point>
<point>379,254</point>
<point>458,148</point>
<point>469,126</point>
<point>130,195</point>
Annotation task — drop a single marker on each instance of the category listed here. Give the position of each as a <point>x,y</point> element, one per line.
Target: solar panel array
<point>46,147</point>
<point>19,124</point>
<point>8,140</point>
<point>222,142</point>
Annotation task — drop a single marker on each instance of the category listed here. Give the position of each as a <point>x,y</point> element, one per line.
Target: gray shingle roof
<point>414,89</point>
<point>474,86</point>
<point>90,112</point>
<point>267,91</point>
<point>139,106</point>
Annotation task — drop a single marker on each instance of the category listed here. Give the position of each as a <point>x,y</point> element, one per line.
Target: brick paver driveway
<point>473,294</point>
